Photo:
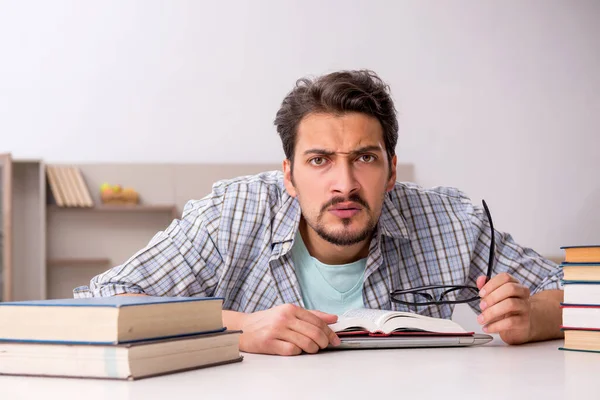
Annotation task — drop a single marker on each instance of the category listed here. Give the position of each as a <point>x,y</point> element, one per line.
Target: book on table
<point>583,272</point>
<point>128,361</point>
<point>581,298</point>
<point>586,340</point>
<point>580,316</point>
<point>581,292</point>
<point>370,322</point>
<point>582,254</point>
<point>122,337</point>
<point>118,319</point>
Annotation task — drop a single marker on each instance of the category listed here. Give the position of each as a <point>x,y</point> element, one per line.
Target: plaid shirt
<point>235,243</point>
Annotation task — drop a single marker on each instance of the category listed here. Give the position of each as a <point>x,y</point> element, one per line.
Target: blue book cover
<point>580,246</point>
<point>111,302</point>
<point>568,282</point>
<point>115,301</point>
<point>583,351</point>
<point>575,305</point>
<point>579,264</point>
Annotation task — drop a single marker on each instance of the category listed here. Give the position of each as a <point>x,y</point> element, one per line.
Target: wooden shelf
<point>170,208</point>
<point>83,262</point>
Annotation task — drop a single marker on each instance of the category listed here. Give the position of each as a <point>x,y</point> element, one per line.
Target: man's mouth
<point>345,210</point>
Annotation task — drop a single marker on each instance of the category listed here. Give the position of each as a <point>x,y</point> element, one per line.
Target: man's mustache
<point>355,198</point>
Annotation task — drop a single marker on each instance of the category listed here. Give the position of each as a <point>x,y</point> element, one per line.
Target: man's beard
<point>344,238</point>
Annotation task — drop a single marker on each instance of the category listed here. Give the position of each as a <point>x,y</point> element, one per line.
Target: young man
<point>288,251</point>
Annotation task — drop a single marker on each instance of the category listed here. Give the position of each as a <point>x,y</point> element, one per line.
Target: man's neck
<point>331,254</point>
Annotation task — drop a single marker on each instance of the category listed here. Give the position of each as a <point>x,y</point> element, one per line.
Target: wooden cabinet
<point>5,227</point>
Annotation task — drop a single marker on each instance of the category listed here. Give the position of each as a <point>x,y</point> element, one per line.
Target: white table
<point>534,371</point>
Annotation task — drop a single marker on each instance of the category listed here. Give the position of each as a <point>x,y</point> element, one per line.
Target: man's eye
<point>317,161</point>
<point>367,158</point>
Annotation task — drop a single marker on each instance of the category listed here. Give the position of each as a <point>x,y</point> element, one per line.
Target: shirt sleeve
<point>523,263</point>
<point>182,260</point>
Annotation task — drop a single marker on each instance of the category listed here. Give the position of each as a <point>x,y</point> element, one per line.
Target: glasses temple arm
<point>492,243</point>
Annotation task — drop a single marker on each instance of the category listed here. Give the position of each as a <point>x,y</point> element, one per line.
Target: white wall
<point>501,99</point>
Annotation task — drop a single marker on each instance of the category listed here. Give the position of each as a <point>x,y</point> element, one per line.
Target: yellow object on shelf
<point>115,194</point>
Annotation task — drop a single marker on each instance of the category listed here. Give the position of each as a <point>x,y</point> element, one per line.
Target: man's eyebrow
<point>323,152</point>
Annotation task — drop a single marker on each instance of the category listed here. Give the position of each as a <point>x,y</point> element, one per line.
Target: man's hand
<point>287,330</point>
<point>506,308</point>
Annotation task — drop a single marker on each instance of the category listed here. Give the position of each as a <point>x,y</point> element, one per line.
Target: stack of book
<point>123,337</point>
<point>581,304</point>
<point>68,187</point>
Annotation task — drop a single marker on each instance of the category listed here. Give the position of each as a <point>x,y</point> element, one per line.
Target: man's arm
<point>546,315</point>
<point>285,330</point>
<point>182,260</point>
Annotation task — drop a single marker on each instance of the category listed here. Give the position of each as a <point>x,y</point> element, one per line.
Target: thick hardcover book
<point>122,361</point>
<point>118,319</point>
<point>582,254</point>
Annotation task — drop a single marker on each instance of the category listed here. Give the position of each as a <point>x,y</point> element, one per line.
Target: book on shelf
<point>582,254</point>
<point>370,322</point>
<point>68,187</point>
<point>122,361</point>
<point>109,320</point>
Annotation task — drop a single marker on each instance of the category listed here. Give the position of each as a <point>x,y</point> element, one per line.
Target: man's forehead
<point>339,133</point>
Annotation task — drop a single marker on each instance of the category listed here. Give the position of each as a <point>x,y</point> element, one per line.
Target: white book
<point>381,322</point>
<point>582,293</point>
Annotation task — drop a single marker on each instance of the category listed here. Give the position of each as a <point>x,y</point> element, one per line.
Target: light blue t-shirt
<point>329,288</point>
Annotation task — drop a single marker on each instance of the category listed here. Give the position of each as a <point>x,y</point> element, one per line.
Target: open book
<point>364,321</point>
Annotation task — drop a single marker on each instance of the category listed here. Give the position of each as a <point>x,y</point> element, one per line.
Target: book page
<point>360,319</point>
<point>378,317</point>
<point>421,323</point>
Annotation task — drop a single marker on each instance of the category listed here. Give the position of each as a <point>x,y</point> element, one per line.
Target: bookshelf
<point>23,229</point>
<point>5,227</point>
<point>47,250</point>
<point>98,261</point>
<point>119,208</point>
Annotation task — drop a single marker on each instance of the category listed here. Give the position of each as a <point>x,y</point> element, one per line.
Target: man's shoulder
<point>409,189</point>
<point>268,180</point>
<point>248,194</point>
<point>413,198</point>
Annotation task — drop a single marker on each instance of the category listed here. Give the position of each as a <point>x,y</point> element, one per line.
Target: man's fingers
<point>298,339</point>
<point>312,318</point>
<point>504,292</point>
<point>495,283</point>
<point>283,348</point>
<point>327,318</point>
<point>496,312</point>
<point>314,333</point>
<point>510,322</point>
<point>481,281</point>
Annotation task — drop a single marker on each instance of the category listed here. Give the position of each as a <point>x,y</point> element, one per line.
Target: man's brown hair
<point>338,93</point>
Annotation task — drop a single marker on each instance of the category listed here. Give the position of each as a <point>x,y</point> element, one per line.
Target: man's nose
<point>344,180</point>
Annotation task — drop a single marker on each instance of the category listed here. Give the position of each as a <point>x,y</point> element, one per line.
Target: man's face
<point>340,175</point>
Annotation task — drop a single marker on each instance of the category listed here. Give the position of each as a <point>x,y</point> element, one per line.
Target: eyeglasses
<point>431,299</point>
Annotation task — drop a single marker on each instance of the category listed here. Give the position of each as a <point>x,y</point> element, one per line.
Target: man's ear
<point>287,178</point>
<point>392,180</point>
